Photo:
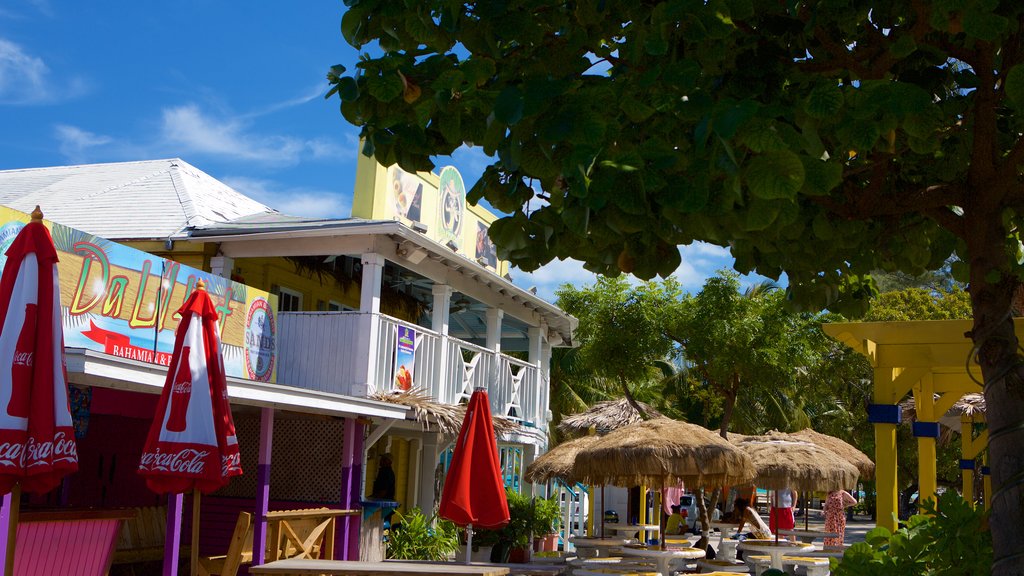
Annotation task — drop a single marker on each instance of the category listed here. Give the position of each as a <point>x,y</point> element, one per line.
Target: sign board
<point>435,204</point>
<point>124,302</point>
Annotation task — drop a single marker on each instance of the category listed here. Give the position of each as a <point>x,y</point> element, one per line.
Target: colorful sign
<point>433,204</point>
<point>405,358</point>
<point>451,206</point>
<point>124,302</point>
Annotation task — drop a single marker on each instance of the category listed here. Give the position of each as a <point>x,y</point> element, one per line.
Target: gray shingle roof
<point>155,198</point>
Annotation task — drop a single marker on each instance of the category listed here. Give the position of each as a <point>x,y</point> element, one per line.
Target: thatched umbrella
<point>558,462</point>
<point>663,452</point>
<point>783,461</point>
<point>846,451</point>
<point>971,405</point>
<point>605,417</point>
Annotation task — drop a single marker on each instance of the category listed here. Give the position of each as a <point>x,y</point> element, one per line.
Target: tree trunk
<point>705,521</point>
<point>631,400</point>
<point>995,348</point>
<point>727,407</point>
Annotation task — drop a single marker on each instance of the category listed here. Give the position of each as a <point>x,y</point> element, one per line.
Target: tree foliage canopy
<point>824,139</point>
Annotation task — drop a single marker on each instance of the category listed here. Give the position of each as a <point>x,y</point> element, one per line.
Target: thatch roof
<point>604,417</point>
<point>447,417</point>
<point>662,452</point>
<point>846,451</point>
<point>558,462</point>
<point>784,462</point>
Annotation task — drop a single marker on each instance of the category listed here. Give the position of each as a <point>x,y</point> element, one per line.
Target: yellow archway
<point>927,358</point>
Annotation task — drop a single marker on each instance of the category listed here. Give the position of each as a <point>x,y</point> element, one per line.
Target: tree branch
<point>862,203</point>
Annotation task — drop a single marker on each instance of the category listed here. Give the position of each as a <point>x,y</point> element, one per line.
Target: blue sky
<point>234,89</point>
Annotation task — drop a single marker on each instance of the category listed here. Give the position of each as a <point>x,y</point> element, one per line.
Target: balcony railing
<point>329,352</point>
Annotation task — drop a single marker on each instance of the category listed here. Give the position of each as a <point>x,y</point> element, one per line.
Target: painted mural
<point>124,302</point>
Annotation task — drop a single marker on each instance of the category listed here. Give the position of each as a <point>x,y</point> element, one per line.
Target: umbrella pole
<point>195,533</point>
<point>469,542</point>
<point>770,506</point>
<point>12,510</point>
<point>602,510</point>
<point>807,514</point>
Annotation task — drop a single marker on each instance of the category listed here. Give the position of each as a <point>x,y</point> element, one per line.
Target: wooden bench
<point>290,534</point>
<point>141,538</point>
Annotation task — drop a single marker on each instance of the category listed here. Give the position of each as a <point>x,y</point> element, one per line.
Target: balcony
<point>331,351</point>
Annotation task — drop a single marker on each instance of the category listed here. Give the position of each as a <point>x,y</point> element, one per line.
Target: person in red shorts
<point>781,513</point>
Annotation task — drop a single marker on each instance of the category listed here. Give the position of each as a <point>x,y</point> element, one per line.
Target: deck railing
<point>329,352</point>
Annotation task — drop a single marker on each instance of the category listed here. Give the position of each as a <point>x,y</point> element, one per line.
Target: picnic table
<point>775,550</point>
<point>598,547</point>
<point>664,558</point>
<point>808,536</point>
<point>295,566</point>
<point>634,528</point>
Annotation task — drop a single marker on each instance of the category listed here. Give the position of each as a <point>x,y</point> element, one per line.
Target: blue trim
<point>926,429</point>
<point>884,414</point>
<point>985,471</point>
<point>967,464</point>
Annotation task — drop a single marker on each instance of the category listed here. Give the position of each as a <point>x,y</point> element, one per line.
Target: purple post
<point>5,527</point>
<point>172,541</point>
<point>263,485</point>
<point>351,475</point>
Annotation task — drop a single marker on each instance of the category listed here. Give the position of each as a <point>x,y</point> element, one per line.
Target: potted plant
<point>413,536</point>
<point>546,515</point>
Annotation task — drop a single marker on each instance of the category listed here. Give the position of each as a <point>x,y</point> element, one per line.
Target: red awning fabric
<point>474,493</point>
<point>37,441</point>
<point>192,443</point>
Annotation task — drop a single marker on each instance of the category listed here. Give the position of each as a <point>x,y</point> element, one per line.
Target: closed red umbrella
<point>37,442</point>
<point>191,444</point>
<point>474,494</point>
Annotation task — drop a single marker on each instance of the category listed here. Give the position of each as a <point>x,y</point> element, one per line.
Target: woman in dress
<point>835,515</point>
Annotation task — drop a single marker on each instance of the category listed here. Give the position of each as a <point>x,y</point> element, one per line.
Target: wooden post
<point>194,555</point>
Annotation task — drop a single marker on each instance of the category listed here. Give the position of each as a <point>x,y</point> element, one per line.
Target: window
<point>288,300</point>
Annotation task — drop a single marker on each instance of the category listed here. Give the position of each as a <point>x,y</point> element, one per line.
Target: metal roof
<point>154,198</point>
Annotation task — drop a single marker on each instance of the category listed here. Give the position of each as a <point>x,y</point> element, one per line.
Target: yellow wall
<point>402,465</point>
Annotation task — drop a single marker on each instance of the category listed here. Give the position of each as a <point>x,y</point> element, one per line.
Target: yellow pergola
<point>930,359</point>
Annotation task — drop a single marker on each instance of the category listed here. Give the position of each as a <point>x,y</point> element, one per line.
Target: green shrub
<point>951,541</point>
<point>546,516</point>
<point>420,538</point>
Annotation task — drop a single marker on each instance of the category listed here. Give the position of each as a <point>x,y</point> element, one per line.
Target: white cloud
<point>23,77</point>
<point>188,129</point>
<point>293,200</point>
<point>75,142</point>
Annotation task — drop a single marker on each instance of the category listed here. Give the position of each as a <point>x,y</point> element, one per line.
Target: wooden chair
<point>290,534</point>
<point>141,538</point>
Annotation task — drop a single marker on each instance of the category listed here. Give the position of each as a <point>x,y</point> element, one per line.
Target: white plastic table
<point>641,529</point>
<point>663,558</point>
<point>601,547</point>
<point>775,550</point>
<point>808,536</point>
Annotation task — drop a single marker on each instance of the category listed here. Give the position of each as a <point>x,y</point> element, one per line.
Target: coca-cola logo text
<point>230,462</point>
<point>23,358</point>
<point>184,387</point>
<point>10,453</point>
<point>61,448</point>
<point>186,460</point>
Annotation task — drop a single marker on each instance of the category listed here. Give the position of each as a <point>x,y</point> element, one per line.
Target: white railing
<point>325,351</point>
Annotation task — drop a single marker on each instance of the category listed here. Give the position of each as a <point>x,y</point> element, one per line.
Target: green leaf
<point>984,25</point>
<point>1013,85</point>
<point>508,108</point>
<point>822,227</point>
<point>903,46</point>
<point>634,109</point>
<point>821,176</point>
<point>824,101</point>
<point>760,215</point>
<point>348,89</point>
<point>384,88</point>
<point>576,218</point>
<point>351,26</point>
<point>775,175</point>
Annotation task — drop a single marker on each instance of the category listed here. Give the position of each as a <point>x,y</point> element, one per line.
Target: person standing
<point>835,515</point>
<point>780,516</point>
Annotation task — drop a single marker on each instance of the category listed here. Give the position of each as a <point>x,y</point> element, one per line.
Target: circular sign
<point>260,347</point>
<point>451,204</point>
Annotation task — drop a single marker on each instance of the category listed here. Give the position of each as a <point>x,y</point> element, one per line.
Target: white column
<point>428,463</point>
<point>545,381</point>
<point>529,455</point>
<point>494,317</point>
<point>441,388</point>
<point>497,394</point>
<point>222,266</point>
<point>369,325</point>
<point>536,393</point>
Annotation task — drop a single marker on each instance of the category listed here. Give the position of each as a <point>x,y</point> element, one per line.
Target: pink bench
<point>66,543</point>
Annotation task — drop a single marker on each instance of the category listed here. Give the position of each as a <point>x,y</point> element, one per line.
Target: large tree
<point>823,139</point>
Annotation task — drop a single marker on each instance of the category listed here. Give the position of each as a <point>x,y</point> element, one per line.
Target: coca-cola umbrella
<point>474,493</point>
<point>191,444</point>
<point>37,442</point>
